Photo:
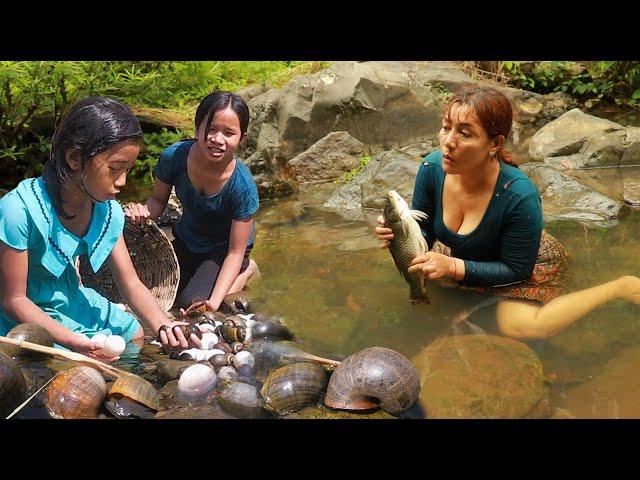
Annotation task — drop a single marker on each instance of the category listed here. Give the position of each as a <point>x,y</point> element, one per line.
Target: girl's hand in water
<point>137,212</point>
<point>89,348</point>
<point>172,337</point>
<point>433,265</point>
<point>383,232</point>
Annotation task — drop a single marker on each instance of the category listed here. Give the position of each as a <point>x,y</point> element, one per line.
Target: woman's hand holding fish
<point>434,265</point>
<point>385,234</point>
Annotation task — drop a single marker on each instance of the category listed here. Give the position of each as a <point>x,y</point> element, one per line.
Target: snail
<point>235,321</point>
<point>29,332</point>
<point>13,387</point>
<point>232,334</point>
<point>237,347</point>
<point>76,393</point>
<point>242,358</point>
<point>246,370</point>
<point>227,373</point>
<point>219,361</point>
<point>271,330</point>
<point>223,346</point>
<point>197,380</point>
<point>132,396</point>
<point>293,387</point>
<point>374,377</point>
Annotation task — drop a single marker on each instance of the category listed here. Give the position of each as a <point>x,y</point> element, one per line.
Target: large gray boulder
<point>577,140</point>
<point>329,158</point>
<point>565,198</point>
<point>388,170</point>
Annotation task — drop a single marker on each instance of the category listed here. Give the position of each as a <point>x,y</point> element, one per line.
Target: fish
<point>407,243</point>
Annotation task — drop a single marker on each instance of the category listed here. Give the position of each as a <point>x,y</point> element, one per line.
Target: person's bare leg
<point>523,320</point>
<point>251,273</point>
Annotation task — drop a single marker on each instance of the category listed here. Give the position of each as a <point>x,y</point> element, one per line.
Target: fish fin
<point>418,215</point>
<point>419,295</point>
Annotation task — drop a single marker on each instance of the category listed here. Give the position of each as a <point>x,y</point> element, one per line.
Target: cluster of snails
<point>222,354</point>
<point>374,377</point>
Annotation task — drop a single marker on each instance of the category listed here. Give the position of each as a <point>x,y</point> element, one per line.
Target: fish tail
<point>418,294</point>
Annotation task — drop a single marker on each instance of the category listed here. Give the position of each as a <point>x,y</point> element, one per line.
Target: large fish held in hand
<point>407,243</point>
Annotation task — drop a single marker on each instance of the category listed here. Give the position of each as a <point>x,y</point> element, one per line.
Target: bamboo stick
<point>76,357</point>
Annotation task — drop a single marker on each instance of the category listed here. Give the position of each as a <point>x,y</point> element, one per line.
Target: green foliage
<point>609,81</point>
<point>154,144</point>
<point>363,162</point>
<point>37,93</point>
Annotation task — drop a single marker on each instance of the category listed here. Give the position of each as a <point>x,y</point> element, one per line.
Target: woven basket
<point>153,258</point>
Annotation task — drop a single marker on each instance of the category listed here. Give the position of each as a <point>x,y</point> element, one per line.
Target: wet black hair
<point>219,100</point>
<point>91,126</point>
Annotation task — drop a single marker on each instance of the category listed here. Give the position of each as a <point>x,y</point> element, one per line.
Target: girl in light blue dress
<point>46,223</point>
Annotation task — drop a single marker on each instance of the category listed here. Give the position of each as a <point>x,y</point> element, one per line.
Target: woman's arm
<point>155,205</point>
<point>14,265</point>
<point>140,299</point>
<point>238,240</point>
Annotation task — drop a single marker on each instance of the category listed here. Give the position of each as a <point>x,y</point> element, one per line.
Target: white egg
<point>99,338</point>
<point>208,340</point>
<point>243,357</point>
<point>197,380</point>
<point>114,345</point>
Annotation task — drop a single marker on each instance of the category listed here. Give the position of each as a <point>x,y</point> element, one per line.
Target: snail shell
<point>235,321</point>
<point>232,334</point>
<point>224,347</point>
<point>136,388</point>
<point>293,387</point>
<point>227,373</point>
<point>268,329</point>
<point>237,347</point>
<point>76,393</point>
<point>244,358</point>
<point>29,332</point>
<point>187,330</point>
<point>374,377</point>
<point>198,311</point>
<point>13,387</point>
<point>218,361</point>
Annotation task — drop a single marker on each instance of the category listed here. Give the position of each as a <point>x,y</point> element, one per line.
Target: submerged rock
<point>481,376</point>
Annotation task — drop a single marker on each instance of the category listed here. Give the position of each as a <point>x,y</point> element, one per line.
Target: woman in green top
<point>488,216</point>
<point>47,222</point>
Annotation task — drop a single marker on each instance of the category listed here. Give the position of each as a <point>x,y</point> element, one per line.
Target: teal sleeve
<point>246,203</point>
<point>520,243</point>
<point>15,226</point>
<point>165,168</point>
<point>423,199</point>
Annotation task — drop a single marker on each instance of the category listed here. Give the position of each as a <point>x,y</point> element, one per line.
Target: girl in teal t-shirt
<point>214,236</point>
<point>46,223</point>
